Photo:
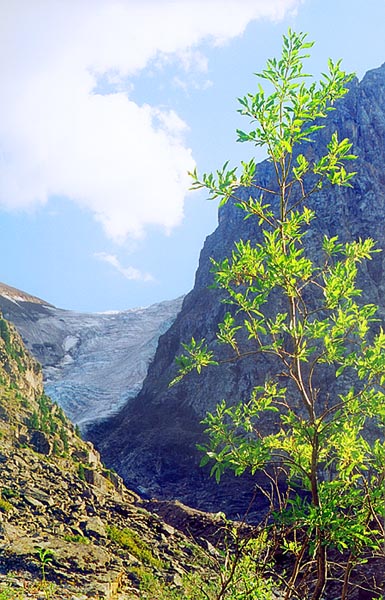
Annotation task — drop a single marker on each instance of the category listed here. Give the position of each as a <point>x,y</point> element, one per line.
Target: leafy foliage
<point>129,539</point>
<point>45,556</point>
<point>14,351</point>
<point>334,496</point>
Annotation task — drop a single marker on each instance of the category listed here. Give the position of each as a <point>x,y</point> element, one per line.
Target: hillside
<point>69,528</point>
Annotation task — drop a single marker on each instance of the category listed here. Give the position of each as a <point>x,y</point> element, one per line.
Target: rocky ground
<point>69,528</point>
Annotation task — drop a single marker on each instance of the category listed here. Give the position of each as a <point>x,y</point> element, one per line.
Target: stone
<point>43,497</point>
<point>115,479</point>
<point>33,501</point>
<point>95,527</point>
<point>168,529</point>
<point>177,580</point>
<point>95,478</point>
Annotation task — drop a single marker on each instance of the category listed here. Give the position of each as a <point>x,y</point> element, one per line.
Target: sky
<point>105,107</point>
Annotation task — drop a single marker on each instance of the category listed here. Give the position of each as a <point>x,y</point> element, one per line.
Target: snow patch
<point>70,342</point>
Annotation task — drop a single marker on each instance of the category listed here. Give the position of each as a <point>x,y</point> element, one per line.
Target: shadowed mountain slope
<point>152,441</point>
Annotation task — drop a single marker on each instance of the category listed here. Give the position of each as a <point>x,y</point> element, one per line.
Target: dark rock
<point>3,414</point>
<point>151,443</point>
<point>41,443</point>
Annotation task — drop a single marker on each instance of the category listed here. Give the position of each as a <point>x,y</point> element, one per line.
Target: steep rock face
<point>151,443</point>
<point>92,362</point>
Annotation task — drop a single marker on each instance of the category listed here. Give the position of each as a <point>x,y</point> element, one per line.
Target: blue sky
<point>105,106</point>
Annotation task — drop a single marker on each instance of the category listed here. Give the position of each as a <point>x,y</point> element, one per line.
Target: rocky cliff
<point>151,442</point>
<point>69,528</point>
<point>93,363</point>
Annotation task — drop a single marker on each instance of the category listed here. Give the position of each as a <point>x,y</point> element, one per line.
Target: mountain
<point>152,441</point>
<point>69,528</point>
<point>93,363</point>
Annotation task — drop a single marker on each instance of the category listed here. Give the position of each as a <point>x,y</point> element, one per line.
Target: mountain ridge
<point>15,295</point>
<point>150,448</point>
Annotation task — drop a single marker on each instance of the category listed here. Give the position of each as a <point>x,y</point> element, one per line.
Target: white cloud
<point>125,163</point>
<point>130,273</point>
